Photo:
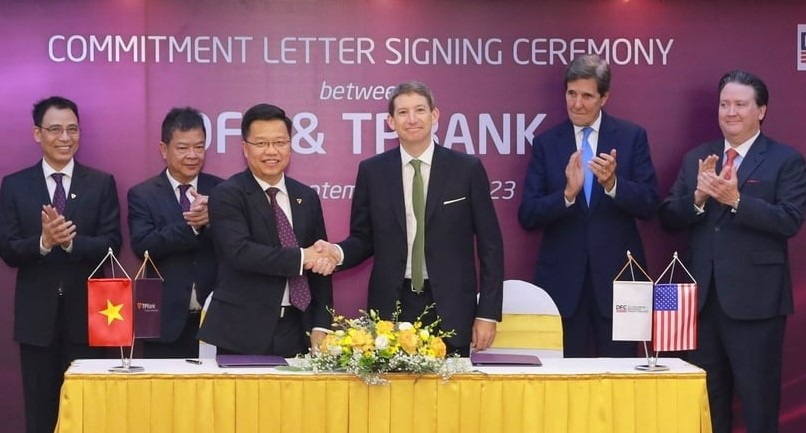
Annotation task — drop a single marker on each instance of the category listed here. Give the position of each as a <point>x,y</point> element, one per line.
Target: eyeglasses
<point>57,130</point>
<point>277,144</point>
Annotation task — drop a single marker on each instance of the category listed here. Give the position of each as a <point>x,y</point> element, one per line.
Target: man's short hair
<point>41,106</point>
<point>409,87</point>
<point>590,66</point>
<point>263,112</point>
<point>181,119</point>
<point>743,77</point>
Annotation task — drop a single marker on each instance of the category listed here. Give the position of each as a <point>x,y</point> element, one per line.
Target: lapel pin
<point>73,196</point>
<point>299,201</point>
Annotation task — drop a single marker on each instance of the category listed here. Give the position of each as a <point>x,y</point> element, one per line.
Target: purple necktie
<point>298,291</point>
<point>59,196</point>
<point>184,203</point>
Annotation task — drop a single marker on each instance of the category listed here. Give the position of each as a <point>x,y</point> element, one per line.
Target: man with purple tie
<point>264,224</point>
<point>168,218</point>
<point>58,219</point>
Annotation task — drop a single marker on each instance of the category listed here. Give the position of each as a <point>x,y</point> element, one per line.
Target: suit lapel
<point>167,197</point>
<point>298,208</point>
<point>257,198</point>
<point>440,174</point>
<point>75,194</point>
<point>755,156</point>
<point>605,143</point>
<point>37,180</point>
<point>392,165</point>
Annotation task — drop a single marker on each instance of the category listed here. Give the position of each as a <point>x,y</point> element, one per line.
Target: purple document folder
<point>249,360</point>
<point>492,358</point>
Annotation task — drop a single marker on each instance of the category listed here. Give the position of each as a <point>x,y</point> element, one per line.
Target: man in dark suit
<point>739,222</point>
<point>264,301</point>
<point>168,218</point>
<point>459,220</point>
<point>588,225</point>
<point>58,219</point>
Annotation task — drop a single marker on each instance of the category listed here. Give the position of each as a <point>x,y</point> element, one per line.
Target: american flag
<point>674,317</point>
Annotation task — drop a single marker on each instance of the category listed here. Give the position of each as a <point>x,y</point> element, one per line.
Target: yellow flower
<point>409,341</point>
<point>384,327</point>
<point>438,347</point>
<point>361,339</point>
<point>424,334</point>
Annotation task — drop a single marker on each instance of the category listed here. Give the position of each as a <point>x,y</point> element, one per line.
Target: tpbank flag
<point>801,47</point>
<point>109,311</point>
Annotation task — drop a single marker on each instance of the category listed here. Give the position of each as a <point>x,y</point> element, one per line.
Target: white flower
<point>335,350</point>
<point>381,342</point>
<point>424,334</point>
<point>404,326</point>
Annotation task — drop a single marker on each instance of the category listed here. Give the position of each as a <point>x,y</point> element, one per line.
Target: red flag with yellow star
<point>109,310</point>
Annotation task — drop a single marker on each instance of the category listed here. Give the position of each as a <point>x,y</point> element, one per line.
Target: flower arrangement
<point>368,346</point>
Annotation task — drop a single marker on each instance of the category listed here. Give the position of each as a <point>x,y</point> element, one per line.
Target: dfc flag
<point>109,310</point>
<point>674,317</point>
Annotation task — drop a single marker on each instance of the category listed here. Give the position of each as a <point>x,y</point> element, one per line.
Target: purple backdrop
<point>495,67</point>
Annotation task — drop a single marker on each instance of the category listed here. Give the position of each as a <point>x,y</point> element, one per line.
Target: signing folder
<point>493,358</point>
<point>249,360</point>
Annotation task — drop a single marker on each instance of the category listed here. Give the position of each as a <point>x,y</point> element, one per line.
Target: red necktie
<point>184,202</point>
<point>298,291</point>
<point>59,196</point>
<point>731,155</point>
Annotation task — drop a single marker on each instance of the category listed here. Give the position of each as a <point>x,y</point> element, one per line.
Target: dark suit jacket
<point>92,205</point>
<point>459,221</point>
<point>745,252</point>
<point>182,257</point>
<point>253,267</point>
<point>577,235</point>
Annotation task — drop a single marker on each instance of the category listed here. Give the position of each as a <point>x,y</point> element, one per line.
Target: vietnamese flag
<point>109,311</point>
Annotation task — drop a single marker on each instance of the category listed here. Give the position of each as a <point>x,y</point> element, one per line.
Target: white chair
<point>531,322</point>
<point>206,350</point>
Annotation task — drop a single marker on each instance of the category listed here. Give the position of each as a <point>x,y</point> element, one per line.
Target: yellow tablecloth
<point>565,395</point>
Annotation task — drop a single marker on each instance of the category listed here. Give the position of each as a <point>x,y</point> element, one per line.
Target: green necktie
<point>418,249</point>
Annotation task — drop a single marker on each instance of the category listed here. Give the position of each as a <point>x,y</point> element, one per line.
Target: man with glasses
<point>168,218</point>
<point>58,219</point>
<point>264,224</point>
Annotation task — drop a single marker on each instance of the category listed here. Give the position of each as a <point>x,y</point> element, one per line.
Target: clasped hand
<point>197,217</point>
<point>56,230</point>
<point>321,258</point>
<point>722,187</point>
<point>602,166</point>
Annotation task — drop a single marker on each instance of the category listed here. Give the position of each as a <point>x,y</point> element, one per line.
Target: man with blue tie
<point>58,219</point>
<point>168,218</point>
<point>588,180</point>
<point>740,198</point>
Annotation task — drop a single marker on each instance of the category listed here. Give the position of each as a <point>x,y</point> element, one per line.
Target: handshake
<point>322,257</point>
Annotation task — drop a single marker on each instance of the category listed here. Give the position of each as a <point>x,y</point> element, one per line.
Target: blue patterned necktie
<point>299,293</point>
<point>59,196</point>
<point>587,155</point>
<point>184,202</point>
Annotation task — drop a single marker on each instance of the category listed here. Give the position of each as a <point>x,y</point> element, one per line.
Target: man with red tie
<point>740,199</point>
<point>264,224</point>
